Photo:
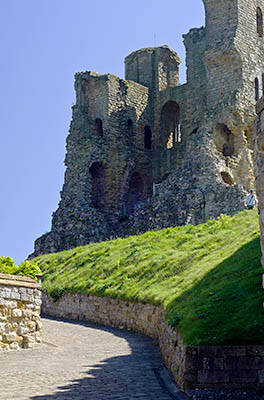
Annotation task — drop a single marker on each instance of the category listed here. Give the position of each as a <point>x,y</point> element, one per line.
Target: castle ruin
<point>147,153</point>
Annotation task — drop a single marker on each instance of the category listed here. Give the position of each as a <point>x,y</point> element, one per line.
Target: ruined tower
<point>145,152</point>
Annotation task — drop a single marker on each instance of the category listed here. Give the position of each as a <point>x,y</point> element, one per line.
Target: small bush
<point>8,266</point>
<point>28,269</point>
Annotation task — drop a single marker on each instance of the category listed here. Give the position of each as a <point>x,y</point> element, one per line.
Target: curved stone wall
<point>191,366</point>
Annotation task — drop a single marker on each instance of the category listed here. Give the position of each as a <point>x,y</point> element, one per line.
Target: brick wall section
<point>191,366</point>
<point>20,300</point>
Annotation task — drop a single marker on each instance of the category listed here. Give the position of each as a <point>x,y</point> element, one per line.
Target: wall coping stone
<point>17,280</point>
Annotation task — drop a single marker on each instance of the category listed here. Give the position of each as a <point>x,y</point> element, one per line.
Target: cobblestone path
<point>83,361</point>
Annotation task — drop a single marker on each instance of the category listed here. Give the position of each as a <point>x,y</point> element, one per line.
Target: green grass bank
<point>208,277</point>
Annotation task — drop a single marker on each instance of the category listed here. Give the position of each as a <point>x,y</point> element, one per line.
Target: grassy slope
<point>208,277</point>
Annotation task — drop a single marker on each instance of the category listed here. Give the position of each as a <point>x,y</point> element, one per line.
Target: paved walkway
<point>83,361</point>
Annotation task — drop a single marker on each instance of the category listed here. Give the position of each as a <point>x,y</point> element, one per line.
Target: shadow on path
<point>132,376</point>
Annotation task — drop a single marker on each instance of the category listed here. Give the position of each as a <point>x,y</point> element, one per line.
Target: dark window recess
<point>224,140</point>
<point>135,193</point>
<point>259,22</point>
<point>130,128</point>
<point>228,147</point>
<point>256,89</point>
<point>98,124</point>
<point>194,131</point>
<point>147,138</point>
<point>227,178</point>
<point>99,185</point>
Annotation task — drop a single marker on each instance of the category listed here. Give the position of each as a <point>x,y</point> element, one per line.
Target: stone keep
<point>147,153</point>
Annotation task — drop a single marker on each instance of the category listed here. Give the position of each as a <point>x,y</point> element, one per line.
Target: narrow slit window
<point>130,128</point>
<point>98,124</point>
<point>147,138</point>
<point>256,89</point>
<point>259,22</point>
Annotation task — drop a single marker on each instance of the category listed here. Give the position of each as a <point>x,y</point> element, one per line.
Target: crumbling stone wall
<point>192,366</point>
<point>146,152</point>
<point>20,300</point>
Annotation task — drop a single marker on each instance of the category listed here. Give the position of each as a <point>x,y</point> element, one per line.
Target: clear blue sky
<point>43,43</point>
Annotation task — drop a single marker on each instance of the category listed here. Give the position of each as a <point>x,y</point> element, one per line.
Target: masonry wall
<point>204,173</point>
<point>20,300</point>
<point>191,366</point>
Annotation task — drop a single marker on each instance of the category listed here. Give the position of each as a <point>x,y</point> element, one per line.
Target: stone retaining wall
<point>20,300</point>
<point>191,366</point>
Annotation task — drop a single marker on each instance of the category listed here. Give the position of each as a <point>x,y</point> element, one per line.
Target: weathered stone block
<point>22,330</point>
<point>244,376</point>
<point>261,376</point>
<point>207,351</point>
<point>224,351</point>
<point>11,304</point>
<point>213,363</point>
<point>208,377</point>
<point>191,350</point>
<point>17,313</point>
<point>9,337</point>
<point>255,350</point>
<point>193,363</point>
<point>237,363</point>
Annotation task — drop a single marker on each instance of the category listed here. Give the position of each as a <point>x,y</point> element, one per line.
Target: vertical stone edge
<point>259,170</point>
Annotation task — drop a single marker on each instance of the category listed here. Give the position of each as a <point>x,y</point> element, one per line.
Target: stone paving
<point>83,361</point>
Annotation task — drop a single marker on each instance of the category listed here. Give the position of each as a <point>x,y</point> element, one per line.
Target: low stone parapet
<point>20,301</point>
<point>192,367</point>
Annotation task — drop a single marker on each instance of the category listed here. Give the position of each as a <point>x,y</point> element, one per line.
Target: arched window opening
<point>98,124</point>
<point>259,22</point>
<point>99,185</point>
<point>147,138</point>
<point>130,128</point>
<point>224,140</point>
<point>170,125</point>
<point>256,89</point>
<point>135,193</point>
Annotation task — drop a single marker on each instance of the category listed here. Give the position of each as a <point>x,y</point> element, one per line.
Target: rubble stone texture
<point>20,301</point>
<point>146,153</point>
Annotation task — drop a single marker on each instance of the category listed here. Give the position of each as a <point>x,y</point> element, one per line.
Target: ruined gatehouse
<point>147,153</point>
